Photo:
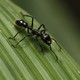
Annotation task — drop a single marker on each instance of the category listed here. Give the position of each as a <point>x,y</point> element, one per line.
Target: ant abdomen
<point>46,39</point>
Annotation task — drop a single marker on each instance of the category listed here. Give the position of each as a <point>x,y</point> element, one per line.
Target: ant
<point>45,37</point>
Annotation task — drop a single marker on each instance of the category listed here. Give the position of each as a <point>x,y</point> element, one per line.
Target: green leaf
<point>26,61</point>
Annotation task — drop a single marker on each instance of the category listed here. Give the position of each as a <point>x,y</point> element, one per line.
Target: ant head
<point>19,22</point>
<point>46,39</point>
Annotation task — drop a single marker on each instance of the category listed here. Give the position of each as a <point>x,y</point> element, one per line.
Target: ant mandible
<point>45,37</point>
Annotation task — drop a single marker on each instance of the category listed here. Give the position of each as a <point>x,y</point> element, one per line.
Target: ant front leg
<point>16,34</point>
<point>24,15</point>
<point>57,44</point>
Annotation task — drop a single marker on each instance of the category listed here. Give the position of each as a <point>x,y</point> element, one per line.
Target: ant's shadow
<point>33,40</point>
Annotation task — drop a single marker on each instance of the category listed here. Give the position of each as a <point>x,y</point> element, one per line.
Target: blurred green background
<point>61,18</point>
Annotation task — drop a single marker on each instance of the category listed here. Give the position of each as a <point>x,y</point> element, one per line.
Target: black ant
<point>31,32</point>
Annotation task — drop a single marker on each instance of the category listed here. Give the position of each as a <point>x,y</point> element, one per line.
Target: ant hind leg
<point>16,34</point>
<point>39,45</point>
<point>54,53</point>
<point>57,44</point>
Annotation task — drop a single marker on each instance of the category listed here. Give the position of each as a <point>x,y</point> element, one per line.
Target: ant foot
<point>11,38</point>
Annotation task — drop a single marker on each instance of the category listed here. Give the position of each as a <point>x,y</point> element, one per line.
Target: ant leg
<point>42,25</point>
<point>57,44</point>
<point>42,31</point>
<point>16,34</point>
<point>21,40</point>
<point>24,15</point>
<point>54,53</point>
<point>39,45</point>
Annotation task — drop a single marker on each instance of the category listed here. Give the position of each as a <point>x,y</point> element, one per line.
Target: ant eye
<point>19,22</point>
